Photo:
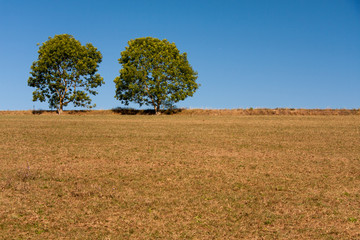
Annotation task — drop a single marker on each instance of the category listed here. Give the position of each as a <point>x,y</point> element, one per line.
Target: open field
<point>179,176</point>
<point>211,112</point>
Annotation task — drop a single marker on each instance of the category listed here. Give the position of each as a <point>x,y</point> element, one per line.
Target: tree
<point>154,73</point>
<point>65,72</point>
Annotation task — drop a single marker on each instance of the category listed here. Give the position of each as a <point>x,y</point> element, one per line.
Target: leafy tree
<point>154,73</point>
<point>65,72</point>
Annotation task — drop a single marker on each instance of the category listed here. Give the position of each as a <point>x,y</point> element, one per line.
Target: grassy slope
<point>179,177</point>
<point>209,112</point>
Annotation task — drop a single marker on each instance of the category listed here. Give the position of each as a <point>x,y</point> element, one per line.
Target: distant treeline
<point>183,111</point>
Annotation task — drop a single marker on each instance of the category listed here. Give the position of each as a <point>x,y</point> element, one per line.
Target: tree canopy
<point>65,72</point>
<point>154,73</point>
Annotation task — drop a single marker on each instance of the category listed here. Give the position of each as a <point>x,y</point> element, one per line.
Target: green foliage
<point>154,73</point>
<point>65,72</point>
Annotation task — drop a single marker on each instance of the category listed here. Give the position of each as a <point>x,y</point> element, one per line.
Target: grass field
<point>179,177</point>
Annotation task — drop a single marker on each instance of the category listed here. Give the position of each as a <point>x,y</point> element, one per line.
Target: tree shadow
<point>71,112</point>
<point>131,111</point>
<point>39,112</point>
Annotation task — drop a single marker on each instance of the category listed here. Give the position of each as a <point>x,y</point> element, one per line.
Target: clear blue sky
<point>248,53</point>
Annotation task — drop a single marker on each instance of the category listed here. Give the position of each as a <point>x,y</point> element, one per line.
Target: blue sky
<point>248,53</point>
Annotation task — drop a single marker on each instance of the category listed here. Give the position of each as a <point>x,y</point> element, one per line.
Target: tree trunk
<point>157,110</point>
<point>60,110</point>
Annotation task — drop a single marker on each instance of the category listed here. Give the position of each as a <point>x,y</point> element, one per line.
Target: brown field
<point>182,176</point>
<point>181,111</point>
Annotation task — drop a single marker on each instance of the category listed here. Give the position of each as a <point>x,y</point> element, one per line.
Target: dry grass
<point>179,177</point>
<point>182,111</point>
